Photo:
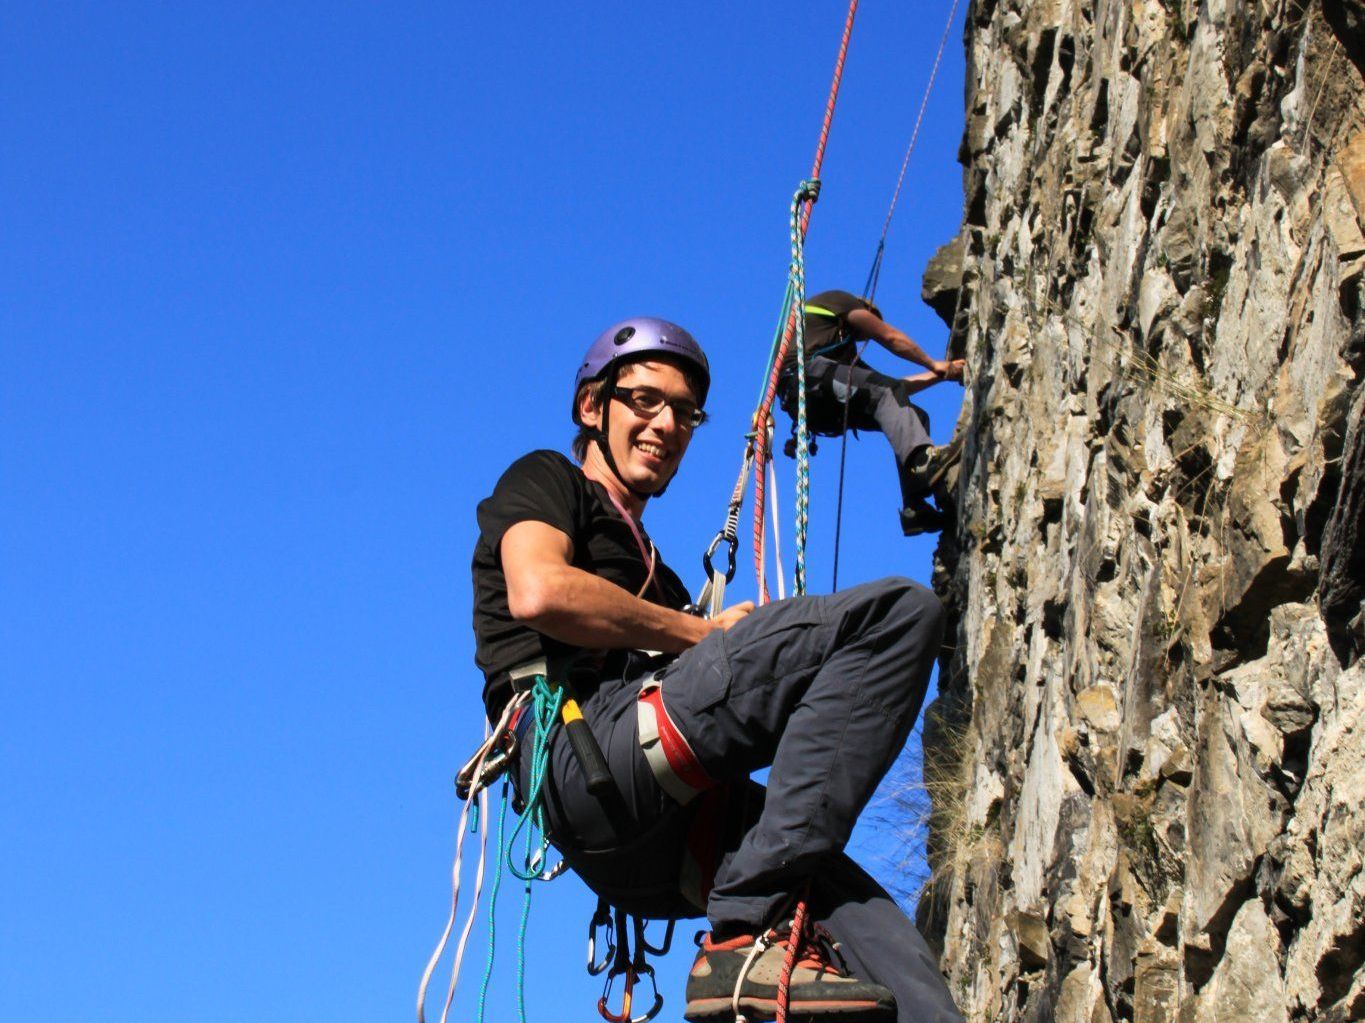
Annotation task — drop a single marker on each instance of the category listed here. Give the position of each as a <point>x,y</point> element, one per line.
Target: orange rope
<point>761,417</point>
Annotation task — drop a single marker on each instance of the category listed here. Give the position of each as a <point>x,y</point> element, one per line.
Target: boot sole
<point>761,1009</point>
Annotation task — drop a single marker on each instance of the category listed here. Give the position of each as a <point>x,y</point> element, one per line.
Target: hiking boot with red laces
<point>818,989</point>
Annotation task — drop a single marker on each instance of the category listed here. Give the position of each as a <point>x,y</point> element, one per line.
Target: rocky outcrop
<point>1153,716</point>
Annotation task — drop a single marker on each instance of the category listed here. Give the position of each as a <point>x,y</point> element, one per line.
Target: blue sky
<point>284,288</point>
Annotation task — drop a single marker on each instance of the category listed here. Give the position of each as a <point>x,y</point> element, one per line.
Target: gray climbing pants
<point>876,402</point>
<point>823,689</point>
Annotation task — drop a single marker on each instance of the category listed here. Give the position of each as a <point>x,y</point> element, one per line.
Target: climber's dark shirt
<point>831,336</point>
<point>544,486</point>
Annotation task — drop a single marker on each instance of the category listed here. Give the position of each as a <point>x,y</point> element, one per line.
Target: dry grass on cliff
<point>926,809</point>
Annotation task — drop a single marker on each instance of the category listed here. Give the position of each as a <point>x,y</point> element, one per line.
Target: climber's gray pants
<point>825,690</point>
<point>878,402</point>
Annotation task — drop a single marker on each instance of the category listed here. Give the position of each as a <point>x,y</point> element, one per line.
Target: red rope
<point>789,329</point>
<point>795,939</point>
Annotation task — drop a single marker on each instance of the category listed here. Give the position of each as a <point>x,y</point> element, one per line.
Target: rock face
<point>1150,744</point>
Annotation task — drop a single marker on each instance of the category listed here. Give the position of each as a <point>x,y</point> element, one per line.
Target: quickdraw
<point>620,961</point>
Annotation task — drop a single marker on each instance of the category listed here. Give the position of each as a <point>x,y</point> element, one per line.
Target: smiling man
<point>822,689</point>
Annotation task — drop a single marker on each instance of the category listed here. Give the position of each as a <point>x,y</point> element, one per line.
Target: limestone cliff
<point>1148,762</point>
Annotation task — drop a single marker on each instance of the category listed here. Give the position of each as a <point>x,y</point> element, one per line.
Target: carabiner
<point>642,943</point>
<point>648,971</point>
<point>632,976</point>
<point>733,543</point>
<point>624,1015</point>
<point>600,919</point>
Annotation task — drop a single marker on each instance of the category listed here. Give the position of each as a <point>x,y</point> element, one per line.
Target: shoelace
<point>819,952</point>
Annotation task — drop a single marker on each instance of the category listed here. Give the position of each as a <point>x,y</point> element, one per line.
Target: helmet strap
<point>599,436</point>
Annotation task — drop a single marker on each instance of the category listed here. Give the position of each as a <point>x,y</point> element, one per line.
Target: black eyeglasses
<point>647,403</point>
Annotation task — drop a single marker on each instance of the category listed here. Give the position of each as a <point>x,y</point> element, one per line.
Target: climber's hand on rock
<point>945,370</point>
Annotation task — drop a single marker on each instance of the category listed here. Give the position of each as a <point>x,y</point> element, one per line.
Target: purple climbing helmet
<point>639,336</point>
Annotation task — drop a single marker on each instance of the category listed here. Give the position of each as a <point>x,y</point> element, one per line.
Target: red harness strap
<point>702,856</point>
<point>670,756</point>
<point>680,774</point>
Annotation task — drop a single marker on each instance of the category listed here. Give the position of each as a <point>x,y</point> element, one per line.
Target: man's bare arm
<point>868,324</point>
<point>919,381</point>
<point>546,592</point>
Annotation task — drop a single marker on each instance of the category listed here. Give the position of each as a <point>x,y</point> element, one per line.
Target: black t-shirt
<point>544,486</point>
<point>831,336</point>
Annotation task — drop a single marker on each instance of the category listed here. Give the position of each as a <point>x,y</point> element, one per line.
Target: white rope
<point>777,529</point>
<point>454,903</point>
<point>473,906</point>
<point>760,946</point>
<point>490,732</point>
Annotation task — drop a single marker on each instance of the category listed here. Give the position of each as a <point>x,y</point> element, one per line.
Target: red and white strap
<point>667,750</point>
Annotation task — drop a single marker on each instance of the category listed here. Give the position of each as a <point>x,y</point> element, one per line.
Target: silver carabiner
<point>654,1010</point>
<point>602,919</point>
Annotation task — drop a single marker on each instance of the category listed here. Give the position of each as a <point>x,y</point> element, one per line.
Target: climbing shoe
<point>819,989</point>
<point>919,516</point>
<point>930,465</point>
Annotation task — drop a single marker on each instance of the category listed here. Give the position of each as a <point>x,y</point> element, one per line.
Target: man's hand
<point>730,615</point>
<point>866,324</point>
<point>917,382</point>
<point>945,370</point>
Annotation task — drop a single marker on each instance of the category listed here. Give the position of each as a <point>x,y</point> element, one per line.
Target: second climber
<point>843,392</point>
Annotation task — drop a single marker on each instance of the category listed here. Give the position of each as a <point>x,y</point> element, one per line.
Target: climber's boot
<point>818,989</point>
<point>919,516</point>
<point>930,465</point>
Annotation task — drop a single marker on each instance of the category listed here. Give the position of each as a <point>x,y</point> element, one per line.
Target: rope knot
<point>809,190</point>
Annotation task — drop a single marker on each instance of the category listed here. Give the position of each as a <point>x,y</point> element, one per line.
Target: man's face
<point>647,450</point>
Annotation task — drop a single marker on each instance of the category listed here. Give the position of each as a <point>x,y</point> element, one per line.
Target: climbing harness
<point>525,728</point>
<point>667,750</point>
<point>543,699</point>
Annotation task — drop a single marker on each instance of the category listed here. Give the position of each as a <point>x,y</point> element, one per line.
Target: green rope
<point>796,295</point>
<point>547,702</point>
<point>776,345</point>
<point>521,952</point>
<point>492,905</point>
